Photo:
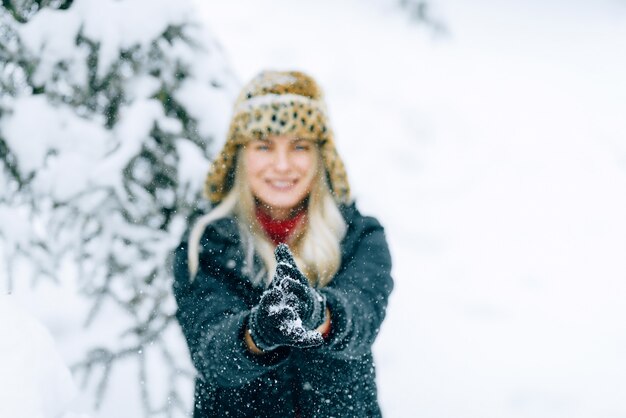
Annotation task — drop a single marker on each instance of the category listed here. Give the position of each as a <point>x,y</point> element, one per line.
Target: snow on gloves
<point>289,310</point>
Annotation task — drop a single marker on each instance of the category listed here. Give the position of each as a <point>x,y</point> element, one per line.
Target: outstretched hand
<point>311,305</point>
<point>289,310</point>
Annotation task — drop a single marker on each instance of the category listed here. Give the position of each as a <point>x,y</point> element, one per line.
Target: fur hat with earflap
<point>277,103</point>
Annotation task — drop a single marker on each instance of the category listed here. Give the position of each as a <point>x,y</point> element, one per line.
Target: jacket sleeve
<point>357,296</point>
<point>212,319</point>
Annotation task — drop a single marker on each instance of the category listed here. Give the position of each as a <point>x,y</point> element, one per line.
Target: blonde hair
<point>316,248</point>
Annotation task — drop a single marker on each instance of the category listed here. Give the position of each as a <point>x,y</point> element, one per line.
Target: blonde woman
<point>282,287</point>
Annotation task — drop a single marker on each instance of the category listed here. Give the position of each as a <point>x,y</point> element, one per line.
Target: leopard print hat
<point>278,103</point>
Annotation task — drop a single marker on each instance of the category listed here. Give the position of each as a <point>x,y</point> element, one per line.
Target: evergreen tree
<point>108,110</point>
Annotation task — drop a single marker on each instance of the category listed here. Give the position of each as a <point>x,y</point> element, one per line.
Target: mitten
<point>289,310</point>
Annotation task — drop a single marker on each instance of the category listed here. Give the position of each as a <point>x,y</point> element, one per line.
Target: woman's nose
<point>281,160</point>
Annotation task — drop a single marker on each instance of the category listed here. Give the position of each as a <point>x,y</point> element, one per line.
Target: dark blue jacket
<point>334,380</point>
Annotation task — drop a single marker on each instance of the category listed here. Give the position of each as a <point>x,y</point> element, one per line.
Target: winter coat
<point>333,380</point>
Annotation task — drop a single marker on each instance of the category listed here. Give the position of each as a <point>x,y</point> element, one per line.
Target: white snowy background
<point>495,155</point>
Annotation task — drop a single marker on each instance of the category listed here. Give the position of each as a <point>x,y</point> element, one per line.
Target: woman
<point>271,334</point>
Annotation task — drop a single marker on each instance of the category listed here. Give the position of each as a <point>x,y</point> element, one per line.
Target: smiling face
<point>280,171</point>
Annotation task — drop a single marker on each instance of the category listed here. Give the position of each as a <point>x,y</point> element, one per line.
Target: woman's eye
<point>262,147</point>
<point>302,147</point>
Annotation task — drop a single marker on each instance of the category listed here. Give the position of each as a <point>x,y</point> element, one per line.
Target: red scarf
<point>278,230</point>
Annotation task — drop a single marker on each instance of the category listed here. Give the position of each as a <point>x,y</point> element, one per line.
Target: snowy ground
<point>34,376</point>
<point>496,158</point>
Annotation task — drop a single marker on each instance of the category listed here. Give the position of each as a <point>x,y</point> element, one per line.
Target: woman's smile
<point>282,185</point>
